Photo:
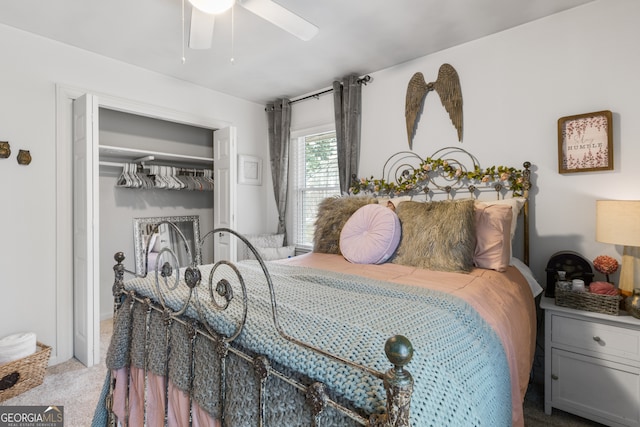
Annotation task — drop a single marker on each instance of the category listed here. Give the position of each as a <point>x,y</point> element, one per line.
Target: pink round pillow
<point>371,235</point>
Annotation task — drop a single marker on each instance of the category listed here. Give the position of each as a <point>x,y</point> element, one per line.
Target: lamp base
<point>630,270</point>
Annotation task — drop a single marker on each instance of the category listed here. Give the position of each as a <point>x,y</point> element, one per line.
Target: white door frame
<point>86,330</point>
<point>65,95</point>
<point>225,156</point>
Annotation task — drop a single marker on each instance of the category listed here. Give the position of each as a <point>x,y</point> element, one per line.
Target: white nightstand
<point>592,364</point>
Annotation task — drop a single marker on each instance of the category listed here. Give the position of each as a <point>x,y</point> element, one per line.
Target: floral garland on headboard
<point>422,178</point>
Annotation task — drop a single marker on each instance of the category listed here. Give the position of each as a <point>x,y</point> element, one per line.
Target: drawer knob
<point>554,377</point>
<point>597,339</point>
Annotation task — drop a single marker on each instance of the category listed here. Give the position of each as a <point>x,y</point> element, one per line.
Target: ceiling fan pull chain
<point>233,21</point>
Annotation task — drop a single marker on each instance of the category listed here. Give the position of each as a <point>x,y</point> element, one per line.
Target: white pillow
<point>270,254</point>
<point>152,241</point>
<point>536,289</point>
<point>159,244</point>
<point>264,240</point>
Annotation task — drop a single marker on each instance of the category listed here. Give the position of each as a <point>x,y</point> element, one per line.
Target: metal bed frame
<point>397,381</point>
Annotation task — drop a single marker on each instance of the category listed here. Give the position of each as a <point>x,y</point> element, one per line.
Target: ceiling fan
<point>203,15</point>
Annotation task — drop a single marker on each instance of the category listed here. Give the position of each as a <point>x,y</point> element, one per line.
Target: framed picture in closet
<point>249,170</point>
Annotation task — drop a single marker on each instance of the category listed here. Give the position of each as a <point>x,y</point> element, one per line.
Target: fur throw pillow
<point>333,213</point>
<point>437,235</point>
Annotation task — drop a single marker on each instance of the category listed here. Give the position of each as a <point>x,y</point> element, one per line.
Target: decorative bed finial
<point>448,87</point>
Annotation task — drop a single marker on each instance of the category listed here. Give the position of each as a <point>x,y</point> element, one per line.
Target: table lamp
<point>618,222</point>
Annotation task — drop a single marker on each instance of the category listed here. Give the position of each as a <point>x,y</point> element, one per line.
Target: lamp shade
<point>618,222</point>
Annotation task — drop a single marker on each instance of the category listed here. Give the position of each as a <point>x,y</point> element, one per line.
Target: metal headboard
<point>450,172</point>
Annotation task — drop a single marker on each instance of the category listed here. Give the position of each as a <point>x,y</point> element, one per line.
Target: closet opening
<point>155,146</point>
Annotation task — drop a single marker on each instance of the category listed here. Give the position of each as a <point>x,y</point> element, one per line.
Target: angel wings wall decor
<point>448,87</point>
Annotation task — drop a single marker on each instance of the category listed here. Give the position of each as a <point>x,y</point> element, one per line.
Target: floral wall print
<point>585,142</point>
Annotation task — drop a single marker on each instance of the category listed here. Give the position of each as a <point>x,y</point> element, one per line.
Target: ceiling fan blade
<point>281,17</point>
<point>201,29</point>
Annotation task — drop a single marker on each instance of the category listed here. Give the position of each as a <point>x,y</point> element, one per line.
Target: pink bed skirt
<point>178,411</point>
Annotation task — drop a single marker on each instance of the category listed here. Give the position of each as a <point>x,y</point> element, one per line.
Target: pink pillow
<point>371,235</point>
<point>493,236</point>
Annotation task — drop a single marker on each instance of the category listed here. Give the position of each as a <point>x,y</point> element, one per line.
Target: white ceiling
<point>356,36</point>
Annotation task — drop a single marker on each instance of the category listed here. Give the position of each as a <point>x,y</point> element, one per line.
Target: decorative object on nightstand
<point>573,264</point>
<point>580,299</point>
<point>577,271</point>
<point>618,222</point>
<point>632,303</point>
<point>606,265</point>
<point>562,282</point>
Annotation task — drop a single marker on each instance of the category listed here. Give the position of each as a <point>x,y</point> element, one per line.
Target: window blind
<point>317,178</point>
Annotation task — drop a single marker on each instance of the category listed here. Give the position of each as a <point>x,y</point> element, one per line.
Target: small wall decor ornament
<point>24,157</point>
<point>5,149</point>
<point>249,170</point>
<point>448,87</point>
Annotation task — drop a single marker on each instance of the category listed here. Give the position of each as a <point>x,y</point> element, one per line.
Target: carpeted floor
<point>71,385</point>
<point>534,415</point>
<point>77,388</point>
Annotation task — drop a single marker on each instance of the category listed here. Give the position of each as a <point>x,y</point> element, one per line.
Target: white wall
<point>515,86</point>
<point>31,68</point>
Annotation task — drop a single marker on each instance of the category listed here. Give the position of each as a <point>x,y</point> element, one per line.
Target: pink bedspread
<point>504,300</point>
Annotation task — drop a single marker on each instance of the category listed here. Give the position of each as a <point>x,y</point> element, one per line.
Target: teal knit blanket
<point>459,366</point>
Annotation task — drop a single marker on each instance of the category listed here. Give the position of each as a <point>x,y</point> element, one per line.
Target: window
<point>316,177</point>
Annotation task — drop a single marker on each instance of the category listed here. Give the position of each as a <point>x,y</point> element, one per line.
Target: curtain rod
<point>362,80</point>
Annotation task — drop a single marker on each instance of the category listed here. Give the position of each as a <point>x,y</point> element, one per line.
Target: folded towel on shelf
<point>17,346</point>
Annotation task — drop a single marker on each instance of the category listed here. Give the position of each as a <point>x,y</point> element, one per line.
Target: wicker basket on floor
<point>606,304</point>
<point>23,374</point>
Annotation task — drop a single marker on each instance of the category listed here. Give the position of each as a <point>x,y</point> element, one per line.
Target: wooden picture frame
<point>585,142</point>
<point>249,170</point>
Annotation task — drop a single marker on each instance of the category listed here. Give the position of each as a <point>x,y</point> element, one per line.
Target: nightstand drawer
<point>597,337</point>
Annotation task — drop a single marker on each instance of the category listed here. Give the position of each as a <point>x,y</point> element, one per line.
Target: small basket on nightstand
<point>605,304</point>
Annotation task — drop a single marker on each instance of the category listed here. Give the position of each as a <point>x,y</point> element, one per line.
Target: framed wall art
<point>249,170</point>
<point>585,142</point>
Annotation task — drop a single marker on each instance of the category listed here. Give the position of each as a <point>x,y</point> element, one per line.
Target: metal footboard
<point>397,381</point>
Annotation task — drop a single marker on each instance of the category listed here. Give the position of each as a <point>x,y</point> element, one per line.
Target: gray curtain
<point>279,119</point>
<point>347,100</point>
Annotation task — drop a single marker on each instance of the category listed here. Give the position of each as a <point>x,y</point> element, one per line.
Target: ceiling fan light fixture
<point>213,7</point>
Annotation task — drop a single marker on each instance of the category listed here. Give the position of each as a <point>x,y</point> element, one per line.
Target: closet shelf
<point>130,154</point>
